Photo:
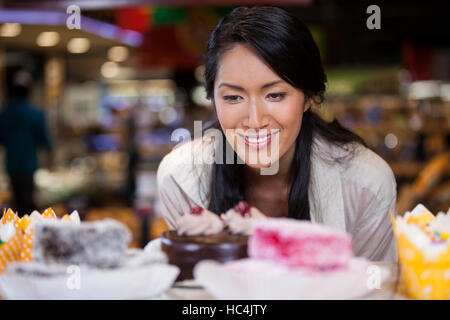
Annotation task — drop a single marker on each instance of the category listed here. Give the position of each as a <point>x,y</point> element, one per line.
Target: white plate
<point>132,281</point>
<point>250,279</point>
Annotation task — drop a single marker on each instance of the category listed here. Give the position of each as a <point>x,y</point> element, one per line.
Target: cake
<point>423,246</point>
<point>186,251</point>
<point>48,240</point>
<point>300,244</point>
<point>203,235</point>
<point>100,244</point>
<point>244,232</point>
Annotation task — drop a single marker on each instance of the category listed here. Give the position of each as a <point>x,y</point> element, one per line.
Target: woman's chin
<point>260,164</point>
<point>257,160</point>
<point>256,165</point>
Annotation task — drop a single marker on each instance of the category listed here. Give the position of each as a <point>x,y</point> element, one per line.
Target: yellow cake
<point>424,253</point>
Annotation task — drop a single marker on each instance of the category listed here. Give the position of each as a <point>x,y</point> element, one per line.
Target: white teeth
<point>257,140</point>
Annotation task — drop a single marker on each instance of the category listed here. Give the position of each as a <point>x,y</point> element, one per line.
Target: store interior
<point>114,90</point>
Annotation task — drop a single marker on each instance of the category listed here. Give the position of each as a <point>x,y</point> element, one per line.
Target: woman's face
<point>260,114</point>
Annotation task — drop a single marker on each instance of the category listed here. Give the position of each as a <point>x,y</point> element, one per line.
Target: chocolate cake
<point>185,251</point>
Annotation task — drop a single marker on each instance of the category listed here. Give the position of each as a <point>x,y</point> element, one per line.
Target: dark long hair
<point>287,46</point>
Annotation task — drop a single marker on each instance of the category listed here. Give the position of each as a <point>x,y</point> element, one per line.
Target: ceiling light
<point>48,39</point>
<point>109,69</point>
<point>10,29</point>
<point>78,45</point>
<point>118,53</point>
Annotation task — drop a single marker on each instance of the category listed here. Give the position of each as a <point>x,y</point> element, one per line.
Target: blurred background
<point>112,92</point>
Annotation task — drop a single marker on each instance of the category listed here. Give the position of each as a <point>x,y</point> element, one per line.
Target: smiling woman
<point>254,105</point>
<point>263,73</point>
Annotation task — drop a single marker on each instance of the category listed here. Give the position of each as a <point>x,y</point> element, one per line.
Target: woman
<point>263,73</point>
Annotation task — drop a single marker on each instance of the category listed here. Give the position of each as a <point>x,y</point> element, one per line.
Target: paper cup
<point>423,278</point>
<point>10,251</point>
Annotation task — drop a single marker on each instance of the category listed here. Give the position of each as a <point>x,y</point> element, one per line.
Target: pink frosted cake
<point>300,244</point>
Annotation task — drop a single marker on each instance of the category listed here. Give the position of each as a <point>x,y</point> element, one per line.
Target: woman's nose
<point>257,115</point>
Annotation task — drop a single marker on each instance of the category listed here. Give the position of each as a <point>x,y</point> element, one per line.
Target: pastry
<point>423,246</point>
<point>300,244</point>
<point>201,235</point>
<point>100,244</point>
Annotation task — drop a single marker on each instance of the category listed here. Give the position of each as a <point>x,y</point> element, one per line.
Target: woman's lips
<point>257,141</point>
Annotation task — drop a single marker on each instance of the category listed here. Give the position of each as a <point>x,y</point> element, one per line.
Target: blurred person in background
<point>22,131</point>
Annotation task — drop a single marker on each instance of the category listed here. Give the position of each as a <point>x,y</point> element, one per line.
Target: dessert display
<point>289,259</point>
<point>423,246</point>
<point>45,257</point>
<point>203,235</point>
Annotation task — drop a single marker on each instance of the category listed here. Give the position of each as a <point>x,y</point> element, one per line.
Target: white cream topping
<point>441,223</point>
<point>35,218</point>
<point>239,224</point>
<point>206,223</point>
<point>75,217</point>
<point>420,240</point>
<point>419,210</point>
<point>35,215</point>
<point>7,231</point>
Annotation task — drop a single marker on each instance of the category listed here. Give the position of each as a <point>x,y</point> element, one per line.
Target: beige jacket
<point>352,195</point>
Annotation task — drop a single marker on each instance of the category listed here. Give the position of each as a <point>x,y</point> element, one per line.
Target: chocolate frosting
<point>186,251</point>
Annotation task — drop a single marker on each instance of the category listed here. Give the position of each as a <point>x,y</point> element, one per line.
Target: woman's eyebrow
<point>271,84</point>
<point>230,85</point>
<point>240,88</point>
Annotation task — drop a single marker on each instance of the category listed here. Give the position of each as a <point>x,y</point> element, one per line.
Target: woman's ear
<point>307,104</point>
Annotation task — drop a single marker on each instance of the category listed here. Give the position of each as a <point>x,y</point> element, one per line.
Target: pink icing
<point>298,243</point>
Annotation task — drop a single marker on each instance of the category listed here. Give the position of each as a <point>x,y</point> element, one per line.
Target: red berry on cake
<point>197,210</point>
<point>243,208</point>
<point>241,217</point>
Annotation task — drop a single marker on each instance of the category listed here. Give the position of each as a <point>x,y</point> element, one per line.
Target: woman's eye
<point>276,96</point>
<point>231,98</point>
